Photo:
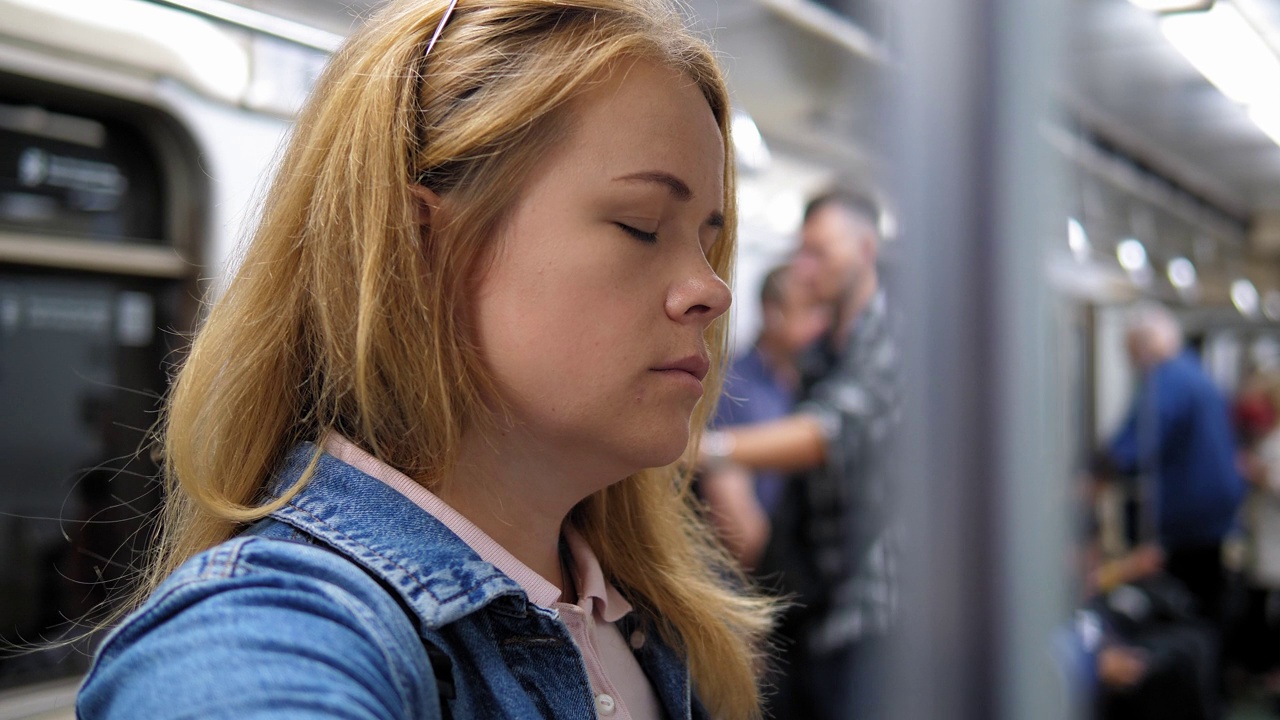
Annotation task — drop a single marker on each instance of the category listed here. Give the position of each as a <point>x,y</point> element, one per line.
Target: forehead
<point>833,222</point>
<point>828,224</point>
<point>795,291</point>
<point>644,116</point>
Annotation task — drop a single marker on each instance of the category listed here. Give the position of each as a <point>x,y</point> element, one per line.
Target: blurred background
<point>1040,167</point>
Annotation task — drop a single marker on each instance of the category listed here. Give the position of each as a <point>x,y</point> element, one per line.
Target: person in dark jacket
<point>833,546</point>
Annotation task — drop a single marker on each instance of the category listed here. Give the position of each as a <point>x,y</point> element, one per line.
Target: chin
<point>661,449</point>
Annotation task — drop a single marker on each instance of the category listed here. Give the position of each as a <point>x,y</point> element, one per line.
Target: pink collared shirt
<point>620,686</point>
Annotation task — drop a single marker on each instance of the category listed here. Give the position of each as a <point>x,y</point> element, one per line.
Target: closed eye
<point>641,235</point>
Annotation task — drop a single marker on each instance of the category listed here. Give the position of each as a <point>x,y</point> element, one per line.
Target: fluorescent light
<point>1232,55</point>
<point>1131,254</point>
<point>1172,5</point>
<point>1267,118</point>
<point>1226,49</point>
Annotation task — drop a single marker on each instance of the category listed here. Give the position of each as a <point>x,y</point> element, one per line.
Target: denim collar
<point>437,574</point>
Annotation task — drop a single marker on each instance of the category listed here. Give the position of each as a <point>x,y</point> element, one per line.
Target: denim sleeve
<point>235,638</point>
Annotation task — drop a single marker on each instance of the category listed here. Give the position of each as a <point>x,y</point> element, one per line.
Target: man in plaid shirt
<point>832,547</point>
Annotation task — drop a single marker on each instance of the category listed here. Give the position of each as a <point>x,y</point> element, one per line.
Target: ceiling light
<point>1131,254</point>
<point>1182,274</point>
<point>748,144</point>
<point>1077,239</point>
<point>1245,297</point>
<point>1226,49</point>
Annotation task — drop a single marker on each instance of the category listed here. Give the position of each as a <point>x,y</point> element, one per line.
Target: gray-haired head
<point>1153,334</point>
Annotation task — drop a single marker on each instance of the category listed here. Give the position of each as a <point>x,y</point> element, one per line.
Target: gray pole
<point>986,571</point>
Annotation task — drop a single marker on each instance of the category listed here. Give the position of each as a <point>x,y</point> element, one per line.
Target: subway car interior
<point>1042,170</point>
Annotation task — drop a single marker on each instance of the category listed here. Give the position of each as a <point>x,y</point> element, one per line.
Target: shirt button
<point>637,640</point>
<point>605,704</point>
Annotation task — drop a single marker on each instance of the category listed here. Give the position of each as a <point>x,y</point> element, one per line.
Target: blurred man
<point>762,385</point>
<point>1178,436</point>
<point>1178,441</point>
<point>831,548</point>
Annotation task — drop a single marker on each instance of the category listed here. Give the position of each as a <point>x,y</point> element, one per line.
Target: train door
<point>96,258</point>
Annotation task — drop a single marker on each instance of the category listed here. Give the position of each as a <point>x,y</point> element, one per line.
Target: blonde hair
<point>349,315</point>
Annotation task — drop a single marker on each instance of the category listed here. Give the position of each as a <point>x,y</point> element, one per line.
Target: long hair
<point>347,314</point>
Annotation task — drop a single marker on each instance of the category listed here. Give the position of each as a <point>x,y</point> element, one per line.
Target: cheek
<point>839,267</point>
<point>521,325</point>
<point>544,332</point>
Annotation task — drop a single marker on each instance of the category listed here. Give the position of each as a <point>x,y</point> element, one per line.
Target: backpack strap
<point>442,668</point>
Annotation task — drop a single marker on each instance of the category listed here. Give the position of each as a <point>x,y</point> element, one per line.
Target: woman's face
<point>591,315</point>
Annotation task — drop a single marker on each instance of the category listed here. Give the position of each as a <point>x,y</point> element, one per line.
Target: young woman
<point>424,459</point>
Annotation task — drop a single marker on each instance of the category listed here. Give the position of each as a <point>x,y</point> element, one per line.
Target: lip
<point>696,365</point>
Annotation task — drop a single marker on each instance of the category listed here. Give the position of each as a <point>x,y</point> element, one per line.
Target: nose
<point>698,296</point>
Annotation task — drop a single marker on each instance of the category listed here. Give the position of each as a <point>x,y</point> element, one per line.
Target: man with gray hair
<point>1153,335</point>
<point>1178,437</point>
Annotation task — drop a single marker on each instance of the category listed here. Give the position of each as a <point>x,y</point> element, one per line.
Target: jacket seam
<point>157,604</point>
<point>408,573</point>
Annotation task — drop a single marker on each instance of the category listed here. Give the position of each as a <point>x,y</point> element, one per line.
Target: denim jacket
<point>352,602</point>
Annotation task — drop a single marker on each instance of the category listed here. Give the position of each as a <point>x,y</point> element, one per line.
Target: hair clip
<point>440,28</point>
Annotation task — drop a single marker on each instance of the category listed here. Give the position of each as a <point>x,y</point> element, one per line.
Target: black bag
<point>1158,616</point>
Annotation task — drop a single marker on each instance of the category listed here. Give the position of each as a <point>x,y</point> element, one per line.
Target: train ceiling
<point>1128,83</point>
<point>810,91</point>
<point>815,89</point>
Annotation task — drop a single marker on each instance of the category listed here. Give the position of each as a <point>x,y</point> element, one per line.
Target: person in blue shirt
<point>761,385</point>
<point>1178,441</point>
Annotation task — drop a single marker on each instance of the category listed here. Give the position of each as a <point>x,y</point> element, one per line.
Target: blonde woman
<point>425,457</point>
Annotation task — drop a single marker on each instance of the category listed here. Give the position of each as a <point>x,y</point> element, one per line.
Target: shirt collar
<point>589,580</point>
<point>587,574</point>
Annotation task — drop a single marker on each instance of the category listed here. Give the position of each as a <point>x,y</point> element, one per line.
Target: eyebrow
<point>677,187</point>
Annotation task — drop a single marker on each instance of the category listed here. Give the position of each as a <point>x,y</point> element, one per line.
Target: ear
<point>427,202</point>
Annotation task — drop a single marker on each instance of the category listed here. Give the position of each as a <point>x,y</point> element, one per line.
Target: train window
<point>74,176</point>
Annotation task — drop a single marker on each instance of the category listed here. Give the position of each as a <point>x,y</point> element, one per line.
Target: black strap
<point>442,668</point>
<point>441,663</point>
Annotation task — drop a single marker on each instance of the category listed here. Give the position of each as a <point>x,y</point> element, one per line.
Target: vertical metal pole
<point>984,490</point>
